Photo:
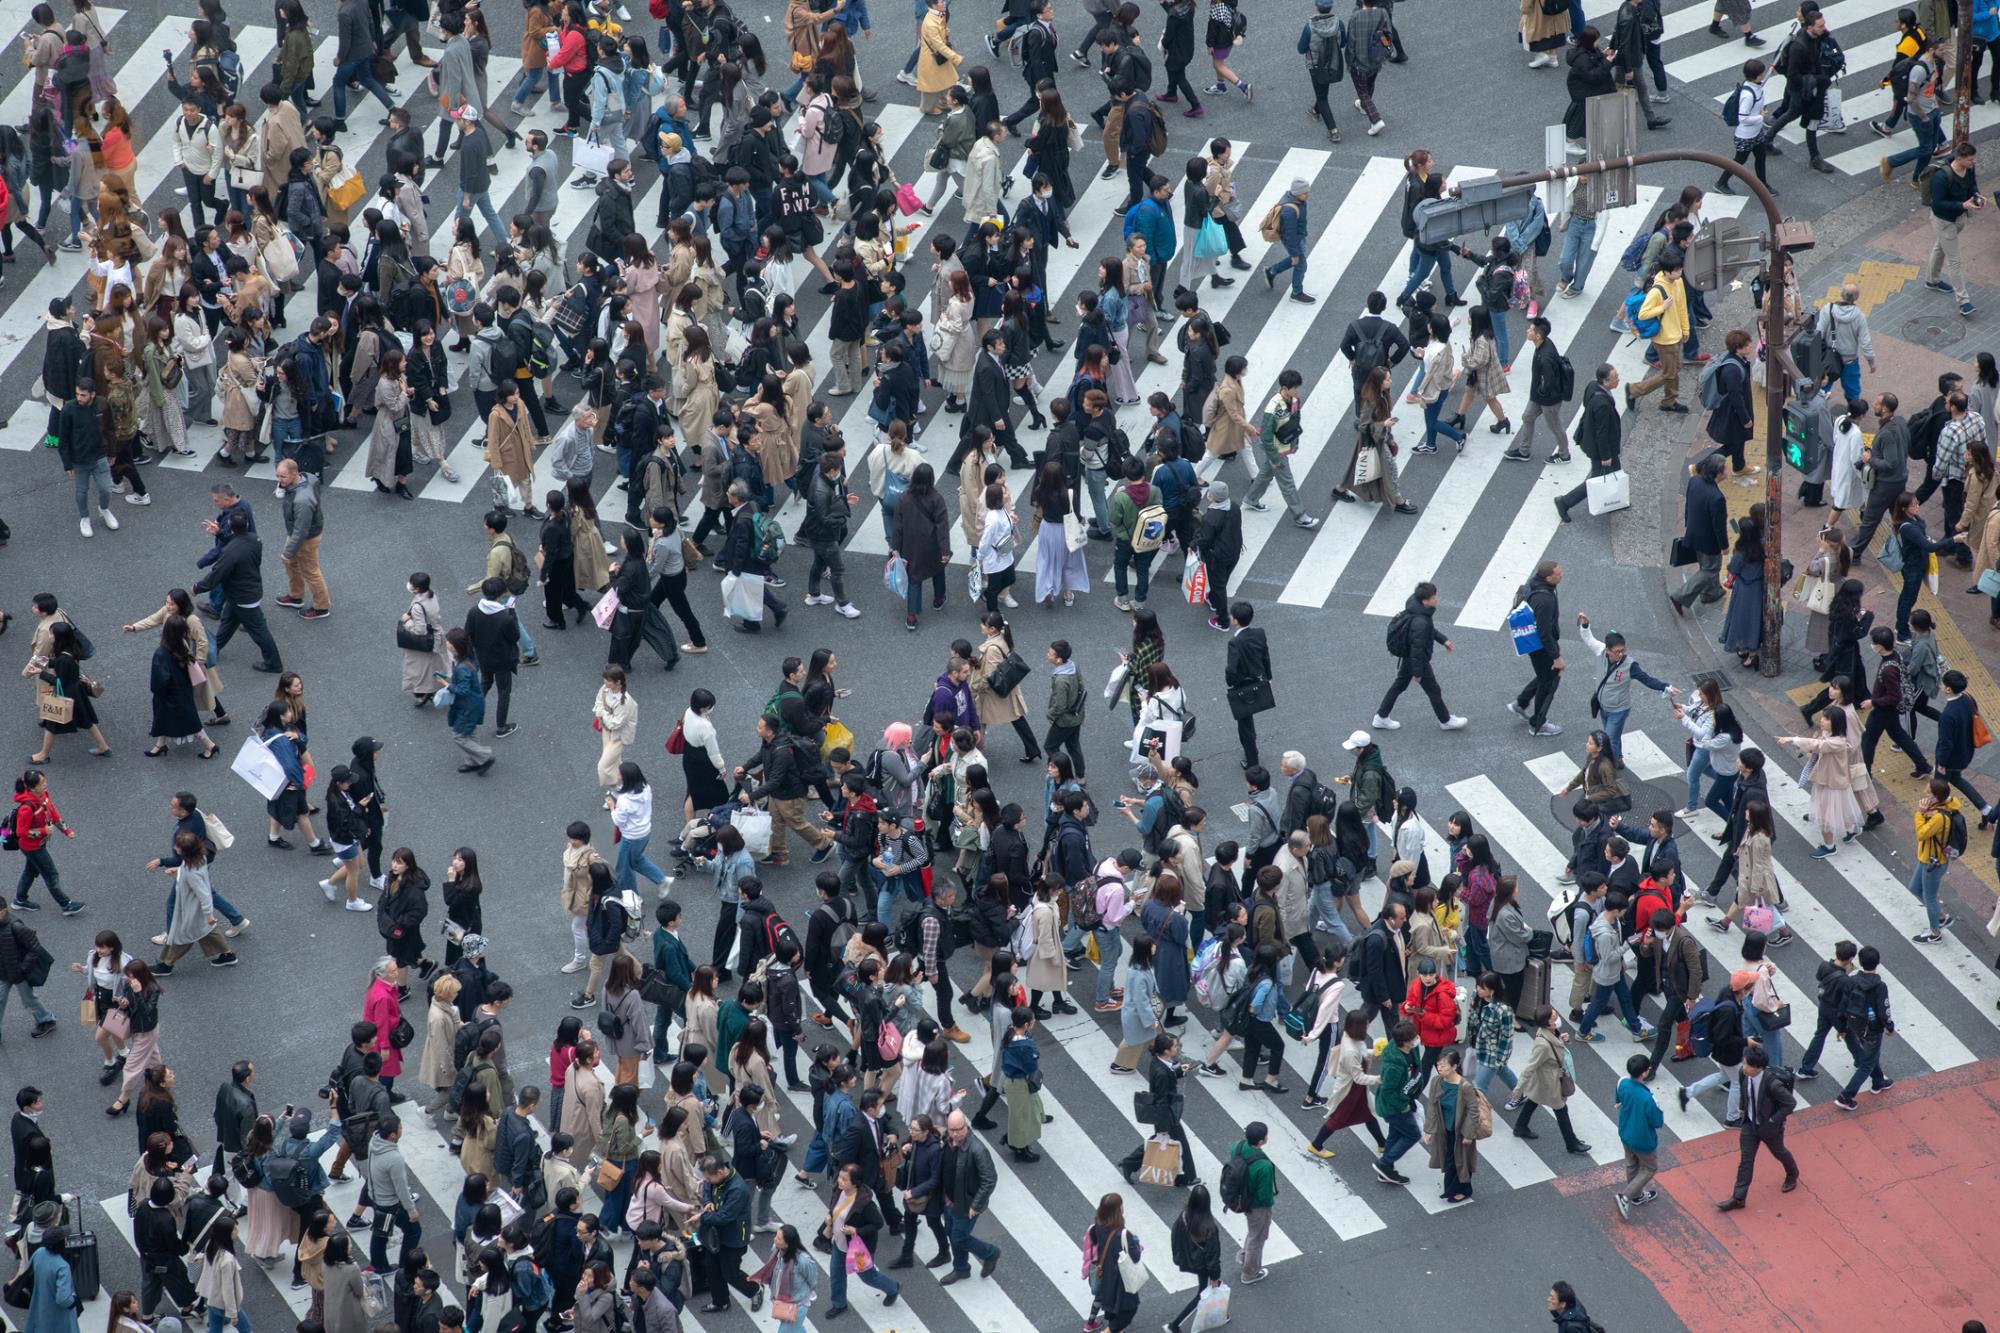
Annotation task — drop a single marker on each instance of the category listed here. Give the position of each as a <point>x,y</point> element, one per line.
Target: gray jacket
<point>1366,29</point>
<point>475,160</point>
<point>303,516</point>
<point>1507,940</point>
<point>389,1175</point>
<point>1847,326</point>
<point>457,76</point>
<point>1889,452</point>
<point>479,365</point>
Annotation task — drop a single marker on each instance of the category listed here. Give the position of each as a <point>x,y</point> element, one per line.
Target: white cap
<point>1360,740</point>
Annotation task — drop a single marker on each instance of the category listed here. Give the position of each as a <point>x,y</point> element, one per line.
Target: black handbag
<point>1005,678</point>
<point>1680,555</point>
<point>1776,1019</point>
<point>414,642</point>
<point>1251,699</point>
<point>1144,1109</point>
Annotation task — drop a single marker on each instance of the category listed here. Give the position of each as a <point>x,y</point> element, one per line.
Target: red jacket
<point>35,818</point>
<point>1435,1012</point>
<point>571,54</point>
<point>382,1008</point>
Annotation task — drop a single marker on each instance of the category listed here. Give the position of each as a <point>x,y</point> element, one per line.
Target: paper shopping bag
<point>605,608</point>
<point>1161,1164</point>
<point>256,765</point>
<point>1608,493</point>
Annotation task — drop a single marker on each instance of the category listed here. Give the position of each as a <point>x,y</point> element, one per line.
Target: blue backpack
<point>1698,1018</point>
<point>533,1288</point>
<point>1644,328</point>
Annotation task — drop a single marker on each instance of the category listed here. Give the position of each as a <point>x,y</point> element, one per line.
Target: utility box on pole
<point>1610,132</point>
<point>1719,253</point>
<point>1479,204</point>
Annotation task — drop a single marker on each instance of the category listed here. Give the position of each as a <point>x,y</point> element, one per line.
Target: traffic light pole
<point>1775,380</point>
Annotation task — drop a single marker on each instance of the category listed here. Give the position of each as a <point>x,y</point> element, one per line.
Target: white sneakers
<point>326,887</point>
<point>1385,723</point>
<point>83,526</point>
<point>1453,723</point>
<point>137,499</point>
<point>818,599</point>
<point>1007,600</point>
<point>110,519</point>
<point>359,905</point>
<point>1377,128</point>
<point>575,965</point>
<point>849,609</point>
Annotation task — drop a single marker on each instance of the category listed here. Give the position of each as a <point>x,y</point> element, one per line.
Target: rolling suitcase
<point>1534,989</point>
<point>81,1252</point>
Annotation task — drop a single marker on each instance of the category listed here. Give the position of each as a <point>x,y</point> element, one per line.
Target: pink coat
<point>384,1008</point>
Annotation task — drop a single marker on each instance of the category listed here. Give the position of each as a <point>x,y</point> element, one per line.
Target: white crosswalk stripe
<point>1038,1211</point>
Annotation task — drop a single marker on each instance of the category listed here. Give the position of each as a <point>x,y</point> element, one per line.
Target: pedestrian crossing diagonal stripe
<point>1916,1025</point>
<point>18,104</point>
<point>1528,533</point>
<point>1728,56</point>
<point>1449,511</point>
<point>1340,535</point>
<point>1360,210</point>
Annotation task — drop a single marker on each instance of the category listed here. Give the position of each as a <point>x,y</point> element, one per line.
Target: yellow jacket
<point>1931,830</point>
<point>1666,301</point>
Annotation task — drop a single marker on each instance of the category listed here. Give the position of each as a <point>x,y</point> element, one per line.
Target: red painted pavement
<point>1894,1226</point>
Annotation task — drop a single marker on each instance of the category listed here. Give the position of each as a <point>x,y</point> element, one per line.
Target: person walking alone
<point>1766,1096</point>
<point>1600,434</point>
<point>1415,629</point>
<point>1532,703</point>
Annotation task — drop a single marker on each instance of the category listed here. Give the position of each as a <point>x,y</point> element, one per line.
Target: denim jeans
<point>1110,944</point>
<point>1100,506</point>
<point>1574,262</point>
<point>915,601</point>
<point>1697,766</point>
<point>217,1321</point>
<point>532,81</point>
<point>1721,795</point>
<point>1326,914</point>
<point>1614,727</point>
<point>1421,265</point>
<point>483,201</point>
<point>1478,957</point>
<point>33,1001</point>
<point>1502,341</point>
<point>1403,1136</point>
<point>836,1269</point>
<point>1724,1076</point>
<point>1928,130</point>
<point>286,436</point>
<point>965,1245</point>
<point>1867,1065</point>
<point>1294,260</point>
<point>1434,426</point>
<point>362,72</point>
<point>100,473</point>
<point>1925,880</point>
<point>632,859</point>
<point>1600,1000</point>
<point>1484,1074</point>
<point>527,639</point>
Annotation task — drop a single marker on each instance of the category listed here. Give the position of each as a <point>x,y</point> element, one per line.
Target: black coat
<point>1954,738</point>
<point>1599,433</point>
<point>399,916</point>
<point>1425,636</point>
<point>238,571</point>
<point>1730,424</point>
<point>1249,657</point>
<point>62,359</point>
<point>987,401</point>
<point>1589,76</point>
<point>1163,1083</point>
<point>175,713</point>
<point>861,1145</point>
<point>1705,517</point>
<point>1545,376</point>
<point>1378,967</point>
<point>739,547</point>
<point>1221,539</point>
<point>614,220</point>
<point>1038,54</point>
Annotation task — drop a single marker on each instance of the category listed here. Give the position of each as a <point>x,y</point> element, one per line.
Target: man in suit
<point>739,555</point>
<point>1621,872</point>
<point>864,1146</point>
<point>1038,58</point>
<point>1704,534</point>
<point>986,404</point>
<point>1164,1073</point>
<point>1766,1097</point>
<point>26,1125</point>
<point>1249,662</point>
<point>1660,849</point>
<point>1379,963</point>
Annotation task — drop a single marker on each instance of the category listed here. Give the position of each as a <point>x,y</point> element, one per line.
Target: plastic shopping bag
<point>1211,1311</point>
<point>743,597</point>
<point>896,577</point>
<point>1194,583</point>
<point>755,826</point>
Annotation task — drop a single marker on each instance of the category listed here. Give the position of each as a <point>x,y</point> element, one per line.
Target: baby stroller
<point>697,841</point>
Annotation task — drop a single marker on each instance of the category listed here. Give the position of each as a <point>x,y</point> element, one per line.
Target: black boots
<point>986,1104</point>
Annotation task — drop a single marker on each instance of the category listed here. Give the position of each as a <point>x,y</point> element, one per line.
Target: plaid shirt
<point>1493,1033</point>
<point>1952,440</point>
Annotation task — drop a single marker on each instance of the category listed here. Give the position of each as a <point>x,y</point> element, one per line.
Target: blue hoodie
<point>1639,1117</point>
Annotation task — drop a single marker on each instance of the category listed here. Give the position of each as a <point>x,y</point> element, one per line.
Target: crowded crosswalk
<point>1945,1018</point>
<point>1355,248</point>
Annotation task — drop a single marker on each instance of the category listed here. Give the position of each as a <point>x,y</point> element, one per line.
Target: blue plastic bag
<point>1211,242</point>
<point>896,576</point>
<point>1521,624</point>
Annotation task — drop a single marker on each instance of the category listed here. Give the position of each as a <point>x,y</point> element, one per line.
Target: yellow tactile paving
<point>1878,279</point>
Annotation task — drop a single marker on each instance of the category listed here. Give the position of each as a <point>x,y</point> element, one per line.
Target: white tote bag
<point>1608,493</point>
<point>256,765</point>
<point>1075,536</point>
<point>755,826</point>
<point>743,597</point>
<point>590,157</point>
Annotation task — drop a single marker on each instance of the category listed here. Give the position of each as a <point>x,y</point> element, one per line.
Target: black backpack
<point>1234,1185</point>
<point>1565,378</point>
<point>531,344</point>
<point>1172,812</point>
<point>1370,349</point>
<point>1732,110</point>
<point>288,1180</point>
<point>506,359</point>
<point>1398,638</point>
<point>467,1041</point>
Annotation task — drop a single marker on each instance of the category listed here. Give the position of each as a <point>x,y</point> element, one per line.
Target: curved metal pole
<point>1775,379</point>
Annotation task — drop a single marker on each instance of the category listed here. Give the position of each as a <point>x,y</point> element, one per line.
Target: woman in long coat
<point>1543,33</point>
<point>593,568</point>
<point>997,710</point>
<point>1743,627</point>
<point>420,667</point>
<point>937,63</point>
<point>1546,1080</point>
<point>207,690</point>
<point>1589,76</point>
<point>1457,1137</point>
<point>346,1307</point>
<point>389,461</point>
<point>921,534</point>
<point>176,715</point>
<point>1371,431</point>
<point>776,449</point>
<point>798,385</point>
<point>510,446</point>
<point>1223,414</point>
<point>695,375</point>
<point>1167,926</point>
<point>441,1025</point>
<point>1047,973</point>
<point>958,349</point>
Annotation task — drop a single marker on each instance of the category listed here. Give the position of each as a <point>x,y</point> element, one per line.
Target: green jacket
<point>1065,698</point>
<point>1279,424</point>
<point>1392,1096</point>
<point>730,1020</point>
<point>1125,509</point>
<point>1370,781</point>
<point>1261,1190</point>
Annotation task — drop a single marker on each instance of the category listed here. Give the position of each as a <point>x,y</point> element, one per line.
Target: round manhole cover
<point>1936,333</point>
